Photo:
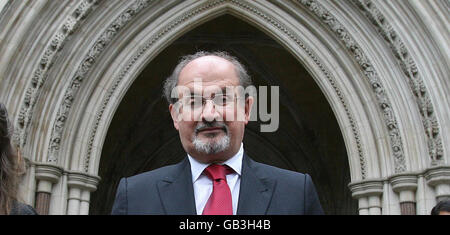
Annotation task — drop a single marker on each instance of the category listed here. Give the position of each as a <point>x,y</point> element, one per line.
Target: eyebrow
<point>224,92</point>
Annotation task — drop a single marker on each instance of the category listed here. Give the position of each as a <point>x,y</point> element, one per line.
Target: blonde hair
<point>12,166</point>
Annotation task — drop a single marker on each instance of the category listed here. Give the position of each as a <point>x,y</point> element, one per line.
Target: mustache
<point>204,125</point>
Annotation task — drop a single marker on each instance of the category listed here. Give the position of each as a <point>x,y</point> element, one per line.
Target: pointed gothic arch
<point>63,93</point>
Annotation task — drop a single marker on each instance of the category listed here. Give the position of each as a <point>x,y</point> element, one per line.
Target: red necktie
<point>219,203</point>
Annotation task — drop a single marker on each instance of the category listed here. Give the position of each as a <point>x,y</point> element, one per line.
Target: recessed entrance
<point>141,136</point>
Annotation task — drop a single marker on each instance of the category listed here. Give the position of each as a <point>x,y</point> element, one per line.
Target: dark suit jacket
<point>22,209</point>
<point>264,190</point>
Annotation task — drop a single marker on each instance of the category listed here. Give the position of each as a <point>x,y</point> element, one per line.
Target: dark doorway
<point>141,136</point>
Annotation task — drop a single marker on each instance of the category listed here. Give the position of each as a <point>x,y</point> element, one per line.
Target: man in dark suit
<point>210,109</point>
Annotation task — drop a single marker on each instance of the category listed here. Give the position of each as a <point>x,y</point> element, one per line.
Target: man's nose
<point>209,112</point>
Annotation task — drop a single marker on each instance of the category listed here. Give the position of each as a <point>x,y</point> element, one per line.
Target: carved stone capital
<point>439,178</point>
<point>48,172</point>
<point>366,188</point>
<point>82,181</point>
<point>438,175</point>
<point>403,182</point>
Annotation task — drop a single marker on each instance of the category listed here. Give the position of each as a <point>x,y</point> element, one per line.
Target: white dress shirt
<point>203,186</point>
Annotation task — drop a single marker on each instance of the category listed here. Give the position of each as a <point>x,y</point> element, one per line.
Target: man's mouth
<point>211,129</point>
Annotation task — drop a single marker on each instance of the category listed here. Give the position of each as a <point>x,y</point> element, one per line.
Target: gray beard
<point>211,146</point>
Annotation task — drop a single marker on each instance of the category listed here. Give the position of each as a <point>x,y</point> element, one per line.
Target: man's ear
<point>248,108</point>
<point>174,114</point>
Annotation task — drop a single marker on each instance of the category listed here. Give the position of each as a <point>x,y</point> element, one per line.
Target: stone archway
<point>64,81</point>
<point>141,136</point>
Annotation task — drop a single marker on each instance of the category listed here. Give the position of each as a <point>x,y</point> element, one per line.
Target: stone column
<point>84,202</point>
<point>46,175</point>
<point>405,185</point>
<point>73,201</point>
<point>363,206</point>
<point>368,193</point>
<point>80,187</point>
<point>439,178</point>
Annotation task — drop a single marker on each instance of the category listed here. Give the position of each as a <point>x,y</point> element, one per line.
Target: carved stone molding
<point>48,172</point>
<point>355,50</point>
<point>82,181</point>
<point>412,73</point>
<point>438,175</point>
<point>404,182</point>
<point>366,188</point>
<point>81,73</point>
<point>46,60</point>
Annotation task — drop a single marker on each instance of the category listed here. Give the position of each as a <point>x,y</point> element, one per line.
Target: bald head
<point>209,70</point>
<point>206,59</point>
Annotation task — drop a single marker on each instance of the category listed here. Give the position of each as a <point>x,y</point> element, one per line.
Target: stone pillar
<point>369,194</point>
<point>375,203</point>
<point>84,202</point>
<point>439,178</point>
<point>363,206</point>
<point>73,201</point>
<point>80,187</point>
<point>405,185</point>
<point>46,175</point>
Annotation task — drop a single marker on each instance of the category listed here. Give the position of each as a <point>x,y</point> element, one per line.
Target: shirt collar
<point>234,162</point>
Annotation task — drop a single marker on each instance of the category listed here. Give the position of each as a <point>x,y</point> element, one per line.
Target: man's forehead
<point>210,70</point>
<point>207,90</point>
<point>209,60</point>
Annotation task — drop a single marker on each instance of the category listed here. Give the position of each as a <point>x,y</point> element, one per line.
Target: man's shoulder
<point>155,175</point>
<point>286,180</point>
<point>277,172</point>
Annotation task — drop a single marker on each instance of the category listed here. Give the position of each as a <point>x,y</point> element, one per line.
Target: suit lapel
<point>177,192</point>
<point>256,189</point>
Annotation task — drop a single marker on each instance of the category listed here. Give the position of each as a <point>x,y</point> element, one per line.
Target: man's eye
<point>222,100</point>
<point>195,101</point>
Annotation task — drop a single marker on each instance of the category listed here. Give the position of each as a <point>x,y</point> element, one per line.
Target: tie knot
<point>216,172</point>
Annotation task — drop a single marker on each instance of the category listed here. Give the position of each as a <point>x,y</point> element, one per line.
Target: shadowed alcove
<point>141,136</point>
